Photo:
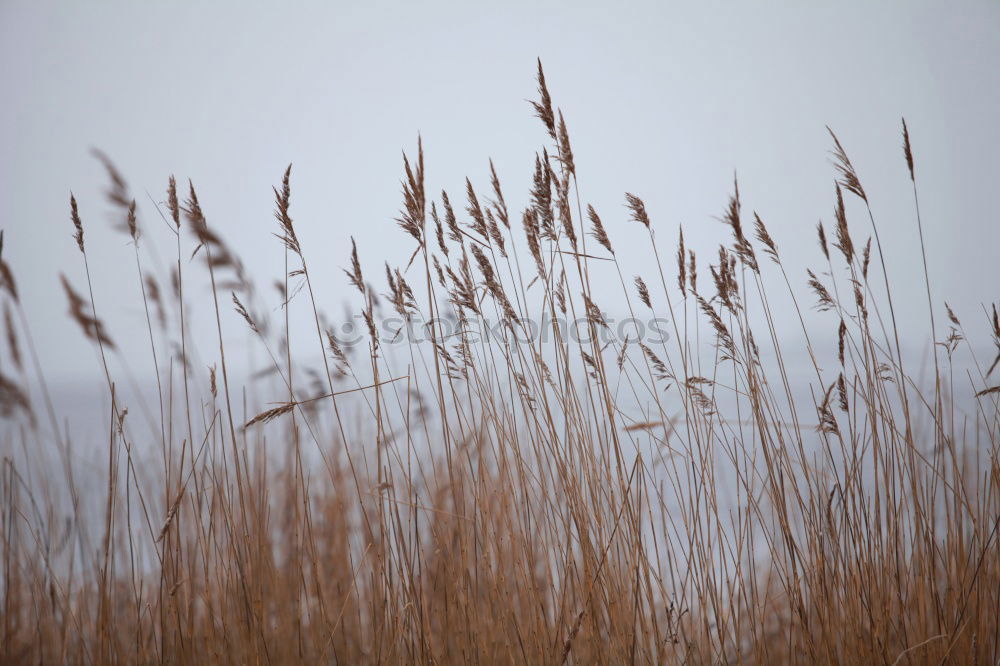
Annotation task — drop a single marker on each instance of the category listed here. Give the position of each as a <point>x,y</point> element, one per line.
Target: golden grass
<point>502,498</point>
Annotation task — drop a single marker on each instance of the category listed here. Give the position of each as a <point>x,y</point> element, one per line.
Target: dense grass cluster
<point>483,494</point>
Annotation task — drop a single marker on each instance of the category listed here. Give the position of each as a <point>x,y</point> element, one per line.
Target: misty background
<point>665,100</point>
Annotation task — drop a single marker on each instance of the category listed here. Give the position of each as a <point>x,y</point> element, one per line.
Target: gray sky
<point>662,99</point>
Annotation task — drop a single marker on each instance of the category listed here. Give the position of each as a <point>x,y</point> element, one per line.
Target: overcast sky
<point>662,99</point>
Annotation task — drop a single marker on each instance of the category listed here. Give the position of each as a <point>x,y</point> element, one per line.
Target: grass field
<point>456,487</point>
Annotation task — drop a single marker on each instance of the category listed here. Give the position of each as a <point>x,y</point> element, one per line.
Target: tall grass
<point>460,489</point>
